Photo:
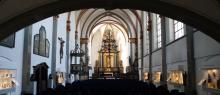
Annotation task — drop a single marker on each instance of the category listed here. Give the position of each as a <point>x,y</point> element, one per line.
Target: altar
<point>108,59</point>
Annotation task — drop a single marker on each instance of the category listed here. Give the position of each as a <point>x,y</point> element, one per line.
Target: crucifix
<point>61,47</point>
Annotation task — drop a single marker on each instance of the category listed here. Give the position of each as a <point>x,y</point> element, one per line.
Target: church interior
<point>112,51</point>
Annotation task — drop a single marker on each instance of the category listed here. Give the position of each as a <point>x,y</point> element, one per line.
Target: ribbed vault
<point>88,19</point>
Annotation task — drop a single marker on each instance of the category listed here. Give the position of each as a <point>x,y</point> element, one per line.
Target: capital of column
<point>84,40</point>
<point>55,17</point>
<point>68,26</point>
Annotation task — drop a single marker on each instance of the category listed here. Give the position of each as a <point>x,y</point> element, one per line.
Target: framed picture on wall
<point>9,41</point>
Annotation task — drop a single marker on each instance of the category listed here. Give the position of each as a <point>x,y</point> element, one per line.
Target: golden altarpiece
<point>108,63</point>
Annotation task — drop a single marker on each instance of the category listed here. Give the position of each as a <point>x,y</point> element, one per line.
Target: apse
<point>121,40</point>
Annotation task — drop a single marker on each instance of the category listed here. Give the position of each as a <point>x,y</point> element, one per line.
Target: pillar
<point>54,50</point>
<point>131,54</point>
<point>27,85</point>
<point>163,48</point>
<point>191,74</point>
<point>142,55</point>
<point>68,29</point>
<point>150,34</point>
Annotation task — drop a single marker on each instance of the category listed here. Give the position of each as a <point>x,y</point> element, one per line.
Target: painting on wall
<point>41,43</point>
<point>9,41</point>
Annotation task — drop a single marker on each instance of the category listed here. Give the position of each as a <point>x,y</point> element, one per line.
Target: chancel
<point>108,63</point>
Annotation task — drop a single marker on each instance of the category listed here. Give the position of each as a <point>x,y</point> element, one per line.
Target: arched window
<point>41,43</point>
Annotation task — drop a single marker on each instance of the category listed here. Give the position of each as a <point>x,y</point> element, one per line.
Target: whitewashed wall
<point>156,62</point>
<point>61,32</point>
<point>122,44</point>
<point>176,53</point>
<point>36,59</point>
<point>176,59</point>
<point>157,58</point>
<point>12,58</point>
<point>96,41</point>
<point>146,64</point>
<point>207,55</point>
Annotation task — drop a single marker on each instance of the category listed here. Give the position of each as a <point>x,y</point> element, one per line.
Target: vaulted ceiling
<point>127,19</point>
<point>202,14</point>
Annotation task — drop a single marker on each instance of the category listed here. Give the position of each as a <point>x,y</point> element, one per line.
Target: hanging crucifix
<point>61,47</point>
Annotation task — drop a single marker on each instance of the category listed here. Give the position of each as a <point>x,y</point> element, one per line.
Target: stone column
<point>136,58</point>
<point>191,74</point>
<point>27,85</point>
<point>131,53</point>
<point>163,37</point>
<point>87,59</point>
<point>67,56</point>
<point>67,48</point>
<point>54,50</point>
<point>150,34</point>
<point>76,41</point>
<point>142,55</point>
<point>142,44</point>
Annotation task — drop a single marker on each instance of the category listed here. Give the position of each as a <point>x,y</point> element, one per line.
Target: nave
<point>86,44</point>
<point>111,87</point>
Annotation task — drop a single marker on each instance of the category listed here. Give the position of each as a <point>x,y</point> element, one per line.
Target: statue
<point>108,61</point>
<point>61,47</point>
